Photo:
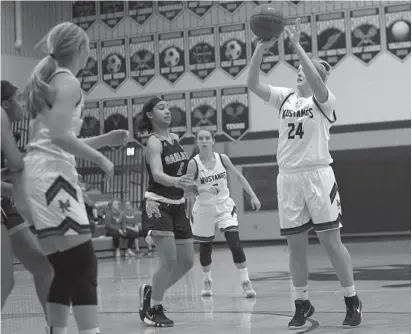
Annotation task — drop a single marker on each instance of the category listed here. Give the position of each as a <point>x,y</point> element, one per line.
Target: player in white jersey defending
<point>307,191</point>
<point>49,181</point>
<point>215,208</point>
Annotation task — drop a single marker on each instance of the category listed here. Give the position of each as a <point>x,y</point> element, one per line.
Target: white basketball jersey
<point>40,141</point>
<point>303,134</point>
<point>216,177</point>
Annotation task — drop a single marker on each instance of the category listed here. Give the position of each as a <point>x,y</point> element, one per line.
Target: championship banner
<point>137,116</point>
<point>89,76</point>
<point>270,57</point>
<point>232,46</point>
<point>142,59</point>
<point>177,106</point>
<point>202,52</point>
<point>170,9</point>
<point>365,34</point>
<point>291,58</point>
<point>115,115</point>
<point>111,12</point>
<point>262,2</point>
<point>172,55</point>
<point>84,13</point>
<point>231,6</point>
<point>203,110</point>
<point>200,8</point>
<point>235,112</point>
<point>140,11</point>
<point>398,30</point>
<point>114,62</point>
<point>91,126</point>
<point>331,37</point>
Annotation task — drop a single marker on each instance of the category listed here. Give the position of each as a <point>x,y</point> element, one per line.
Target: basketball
<point>267,22</point>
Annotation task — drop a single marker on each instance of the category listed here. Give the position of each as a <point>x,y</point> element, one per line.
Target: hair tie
<point>52,55</point>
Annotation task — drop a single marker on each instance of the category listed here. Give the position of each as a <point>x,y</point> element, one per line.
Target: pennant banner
<point>398,30</point>
<point>140,11</point>
<point>331,37</point>
<point>142,59</point>
<point>170,9</point>
<point>200,8</point>
<point>177,107</point>
<point>114,62</point>
<point>202,52</point>
<point>89,76</point>
<point>84,13</point>
<point>172,55</point>
<point>231,6</point>
<point>232,46</point>
<point>115,115</point>
<point>203,110</point>
<point>235,112</point>
<point>137,116</point>
<point>112,12</point>
<point>91,126</point>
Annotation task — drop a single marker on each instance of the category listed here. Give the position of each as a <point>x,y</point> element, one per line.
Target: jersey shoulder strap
<point>197,168</point>
<point>221,160</point>
<point>284,101</point>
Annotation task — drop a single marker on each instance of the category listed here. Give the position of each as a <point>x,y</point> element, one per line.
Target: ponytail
<point>145,124</point>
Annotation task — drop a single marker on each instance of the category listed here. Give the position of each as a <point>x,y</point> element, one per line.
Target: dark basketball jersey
<point>174,162</point>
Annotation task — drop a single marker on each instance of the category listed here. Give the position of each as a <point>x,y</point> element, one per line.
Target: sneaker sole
<point>155,324</point>
<point>310,313</point>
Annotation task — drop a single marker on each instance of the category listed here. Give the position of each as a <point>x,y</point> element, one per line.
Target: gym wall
<point>370,142</point>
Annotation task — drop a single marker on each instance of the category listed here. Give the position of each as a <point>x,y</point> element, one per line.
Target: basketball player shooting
<point>308,194</point>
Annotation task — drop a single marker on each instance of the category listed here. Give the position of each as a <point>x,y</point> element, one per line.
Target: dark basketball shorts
<point>166,220</point>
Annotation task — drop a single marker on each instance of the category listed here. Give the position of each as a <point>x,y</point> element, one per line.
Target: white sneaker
<point>129,252</point>
<point>248,290</point>
<point>207,288</point>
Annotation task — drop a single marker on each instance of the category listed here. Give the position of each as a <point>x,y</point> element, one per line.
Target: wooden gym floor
<point>382,272</point>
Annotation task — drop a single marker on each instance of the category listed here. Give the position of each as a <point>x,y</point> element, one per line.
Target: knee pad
<point>205,253</point>
<point>233,240</point>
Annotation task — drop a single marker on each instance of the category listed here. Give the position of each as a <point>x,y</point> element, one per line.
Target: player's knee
<point>233,240</point>
<point>205,253</point>
<point>330,239</point>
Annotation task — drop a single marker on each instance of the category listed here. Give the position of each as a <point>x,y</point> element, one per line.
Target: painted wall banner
<point>91,120</point>
<point>232,47</point>
<point>202,52</point>
<point>140,11</point>
<point>114,62</point>
<point>111,12</point>
<point>231,6</point>
<point>115,115</point>
<point>331,37</point>
<point>200,8</point>
<point>142,59</point>
<point>398,30</point>
<point>137,116</point>
<point>270,57</point>
<point>235,112</point>
<point>89,76</point>
<point>291,57</point>
<point>170,9</point>
<point>203,110</point>
<point>365,34</point>
<point>172,55</point>
<point>84,13</point>
<point>177,107</point>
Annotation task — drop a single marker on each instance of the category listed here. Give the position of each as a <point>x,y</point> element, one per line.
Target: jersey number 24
<point>295,130</point>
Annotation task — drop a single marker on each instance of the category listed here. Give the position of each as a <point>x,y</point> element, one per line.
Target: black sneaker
<point>145,293</point>
<point>304,309</point>
<point>155,317</point>
<point>353,312</point>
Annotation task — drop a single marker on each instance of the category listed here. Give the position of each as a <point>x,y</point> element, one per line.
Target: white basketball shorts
<point>206,218</point>
<point>308,199</point>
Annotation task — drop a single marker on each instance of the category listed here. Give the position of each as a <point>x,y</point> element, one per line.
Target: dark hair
<point>196,149</point>
<point>146,124</point>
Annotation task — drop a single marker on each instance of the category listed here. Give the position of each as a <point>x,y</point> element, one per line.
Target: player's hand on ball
<point>265,45</point>
<point>293,33</point>
<point>254,201</point>
<point>119,137</point>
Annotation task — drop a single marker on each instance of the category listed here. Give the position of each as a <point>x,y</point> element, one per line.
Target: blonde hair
<point>62,44</point>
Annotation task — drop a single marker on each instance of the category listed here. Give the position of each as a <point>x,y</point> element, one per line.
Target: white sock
<point>349,291</point>
<point>57,330</point>
<point>244,275</point>
<point>301,292</point>
<point>207,275</point>
<point>90,331</point>
<point>155,302</point>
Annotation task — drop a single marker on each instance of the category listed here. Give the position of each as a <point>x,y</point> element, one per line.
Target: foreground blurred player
<point>214,207</point>
<point>50,179</point>
<point>307,191</point>
<point>25,245</point>
<point>164,216</point>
